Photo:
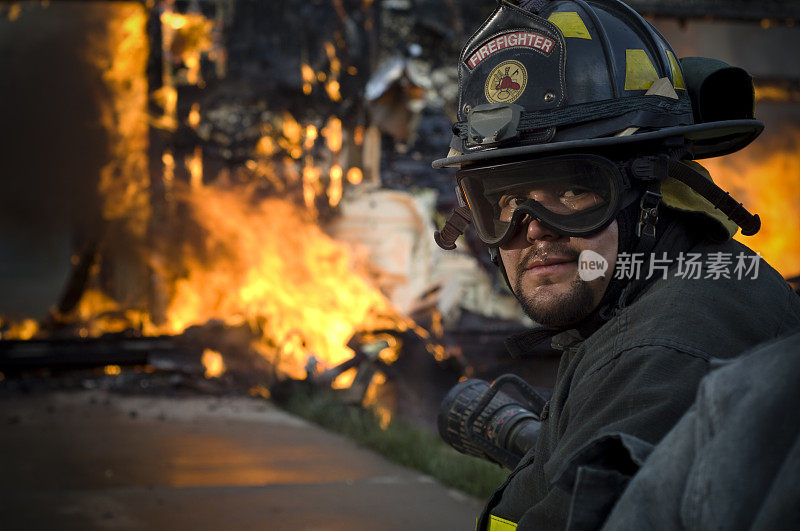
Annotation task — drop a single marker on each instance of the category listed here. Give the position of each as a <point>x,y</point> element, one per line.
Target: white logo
<point>591,265</point>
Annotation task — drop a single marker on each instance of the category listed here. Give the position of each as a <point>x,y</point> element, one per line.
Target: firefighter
<point>576,138</point>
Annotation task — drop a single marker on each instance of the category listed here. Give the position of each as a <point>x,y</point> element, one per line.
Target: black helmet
<point>573,73</point>
<point>543,81</point>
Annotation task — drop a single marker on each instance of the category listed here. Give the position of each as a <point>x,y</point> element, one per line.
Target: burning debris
<point>227,234</point>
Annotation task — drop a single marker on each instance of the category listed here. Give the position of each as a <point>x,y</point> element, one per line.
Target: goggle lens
<point>573,195</point>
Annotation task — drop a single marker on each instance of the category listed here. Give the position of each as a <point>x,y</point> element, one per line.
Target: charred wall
<point>52,147</point>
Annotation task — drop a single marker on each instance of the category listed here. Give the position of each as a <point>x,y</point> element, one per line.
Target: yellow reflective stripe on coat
<point>500,524</point>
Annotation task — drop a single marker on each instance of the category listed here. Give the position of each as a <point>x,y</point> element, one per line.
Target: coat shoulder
<point>711,316</point>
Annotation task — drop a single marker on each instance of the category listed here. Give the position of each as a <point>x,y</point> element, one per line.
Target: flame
<point>371,400</point>
<point>98,313</point>
<point>307,74</point>
<point>124,182</point>
<point>354,175</point>
<point>358,135</point>
<point>267,263</point>
<point>292,138</point>
<point>335,186</point>
<point>766,178</point>
<point>167,100</point>
<point>345,380</point>
<point>384,416</point>
<point>391,351</point>
<point>93,303</point>
<point>233,255</point>
<point>168,162</point>
<point>437,326</point>
<point>24,329</point>
<point>213,363</point>
<point>333,134</point>
<point>112,370</point>
<point>332,85</point>
<point>332,88</point>
<point>260,390</point>
<point>311,136</point>
<point>266,146</point>
<point>194,164</point>
<point>194,115</point>
<point>335,64</point>
<point>187,37</point>
<point>310,182</point>
<point>774,93</point>
<point>173,20</point>
<point>437,351</point>
<point>292,131</point>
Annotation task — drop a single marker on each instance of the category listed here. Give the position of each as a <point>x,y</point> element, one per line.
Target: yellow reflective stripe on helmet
<point>570,24</point>
<point>500,524</point>
<point>677,75</point>
<point>640,73</point>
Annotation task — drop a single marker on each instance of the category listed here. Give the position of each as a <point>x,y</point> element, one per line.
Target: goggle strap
<point>736,212</point>
<point>457,222</point>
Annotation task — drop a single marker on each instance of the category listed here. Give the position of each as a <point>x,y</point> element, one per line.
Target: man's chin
<point>557,305</point>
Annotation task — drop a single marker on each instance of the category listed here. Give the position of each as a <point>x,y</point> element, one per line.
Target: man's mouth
<point>558,260</point>
<point>548,264</point>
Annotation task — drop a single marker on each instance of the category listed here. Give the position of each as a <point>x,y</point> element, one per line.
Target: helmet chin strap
<point>494,254</point>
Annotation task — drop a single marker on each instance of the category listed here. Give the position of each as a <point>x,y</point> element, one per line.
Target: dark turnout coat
<point>636,375</point>
<point>733,460</point>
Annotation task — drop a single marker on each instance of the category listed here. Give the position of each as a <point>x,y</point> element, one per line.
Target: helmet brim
<point>711,139</point>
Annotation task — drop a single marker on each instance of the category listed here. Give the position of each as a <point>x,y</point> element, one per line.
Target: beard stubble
<point>566,308</point>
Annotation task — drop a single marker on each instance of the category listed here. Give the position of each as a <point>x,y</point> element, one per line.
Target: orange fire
<point>766,179</point>
<point>187,37</point>
<point>228,253</point>
<point>167,100</point>
<point>371,400</point>
<point>194,115</point>
<point>309,78</point>
<point>24,329</point>
<point>213,363</point>
<point>122,57</point>
<point>268,264</point>
<point>354,176</point>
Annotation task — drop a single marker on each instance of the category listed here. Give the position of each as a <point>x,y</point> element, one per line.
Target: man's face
<point>542,268</point>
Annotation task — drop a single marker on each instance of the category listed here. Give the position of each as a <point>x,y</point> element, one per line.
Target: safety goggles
<point>574,195</point>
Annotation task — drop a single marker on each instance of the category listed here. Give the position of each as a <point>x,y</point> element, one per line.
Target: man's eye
<point>512,201</point>
<point>579,198</point>
<point>574,192</point>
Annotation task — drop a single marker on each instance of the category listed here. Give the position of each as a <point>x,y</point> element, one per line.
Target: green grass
<point>401,442</point>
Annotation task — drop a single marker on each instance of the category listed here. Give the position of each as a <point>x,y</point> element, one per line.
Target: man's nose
<point>536,232</point>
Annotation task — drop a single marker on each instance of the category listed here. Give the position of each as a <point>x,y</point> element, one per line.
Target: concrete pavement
<point>95,460</point>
